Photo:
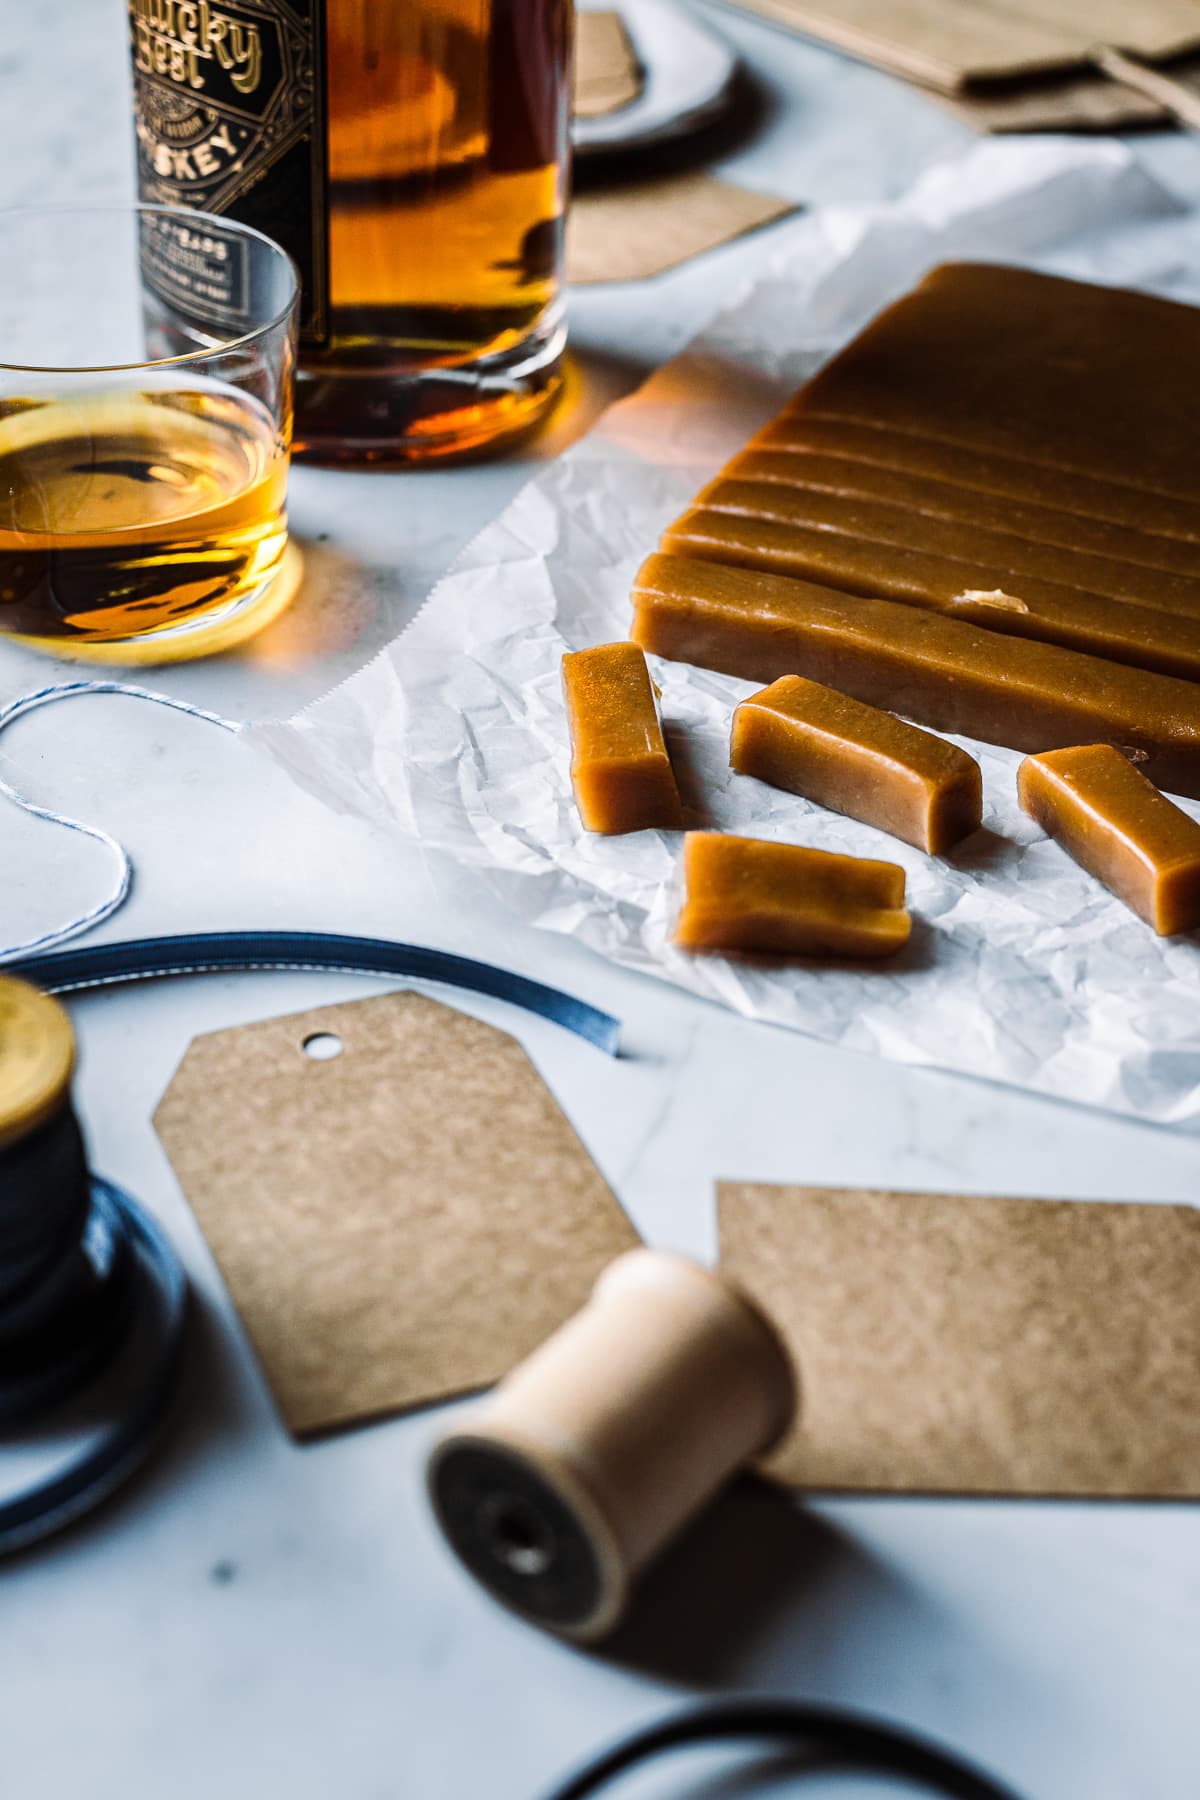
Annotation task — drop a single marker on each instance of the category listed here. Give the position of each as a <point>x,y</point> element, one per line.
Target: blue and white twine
<point>123,879</point>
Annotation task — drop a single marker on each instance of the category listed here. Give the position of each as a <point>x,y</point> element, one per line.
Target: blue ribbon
<point>211,952</point>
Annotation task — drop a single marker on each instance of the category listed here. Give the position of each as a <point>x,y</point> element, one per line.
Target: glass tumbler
<point>147,360</point>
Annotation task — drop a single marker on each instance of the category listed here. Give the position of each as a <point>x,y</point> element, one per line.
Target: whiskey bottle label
<point>229,103</point>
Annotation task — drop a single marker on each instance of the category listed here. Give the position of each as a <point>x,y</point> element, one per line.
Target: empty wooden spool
<point>563,1485</point>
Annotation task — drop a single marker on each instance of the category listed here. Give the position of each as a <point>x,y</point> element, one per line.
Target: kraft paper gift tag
<point>643,228</point>
<point>963,1344</point>
<point>607,73</point>
<point>397,1224</point>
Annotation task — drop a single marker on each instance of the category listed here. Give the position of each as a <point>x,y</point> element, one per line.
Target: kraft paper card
<point>396,1224</point>
<point>950,44</point>
<point>643,228</point>
<point>957,1344</point>
<point>607,73</point>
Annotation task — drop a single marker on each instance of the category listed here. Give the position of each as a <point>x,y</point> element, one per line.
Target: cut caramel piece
<point>857,760</point>
<point>786,900</point>
<point>982,471</point>
<point>1019,606</point>
<point>939,671</point>
<point>620,769</point>
<point>1098,380</point>
<point>1120,829</point>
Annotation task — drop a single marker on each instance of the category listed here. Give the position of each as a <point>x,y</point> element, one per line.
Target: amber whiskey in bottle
<point>412,157</point>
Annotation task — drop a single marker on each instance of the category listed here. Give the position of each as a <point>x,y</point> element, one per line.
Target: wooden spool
<point>37,1058</point>
<point>568,1480</point>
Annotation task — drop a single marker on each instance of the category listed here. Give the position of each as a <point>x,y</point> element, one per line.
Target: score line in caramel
<point>750,894</point>
<point>620,769</point>
<point>882,523</point>
<point>801,430</point>
<point>1116,825</point>
<point>815,470</point>
<point>857,760</point>
<point>1007,448</point>
<point>1101,381</point>
<point>1017,605</point>
<point>938,671</point>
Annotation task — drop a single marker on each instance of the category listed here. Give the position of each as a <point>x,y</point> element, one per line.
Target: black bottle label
<point>229,102</point>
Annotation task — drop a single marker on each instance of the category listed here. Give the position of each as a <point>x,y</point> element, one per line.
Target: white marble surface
<point>260,1620</point>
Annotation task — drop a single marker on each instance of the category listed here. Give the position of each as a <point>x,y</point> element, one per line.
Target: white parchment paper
<point>1021,968</point>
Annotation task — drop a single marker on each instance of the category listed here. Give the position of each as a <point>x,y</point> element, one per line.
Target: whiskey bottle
<point>411,155</point>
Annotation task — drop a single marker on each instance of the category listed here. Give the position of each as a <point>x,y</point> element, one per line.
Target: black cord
<point>856,1742</point>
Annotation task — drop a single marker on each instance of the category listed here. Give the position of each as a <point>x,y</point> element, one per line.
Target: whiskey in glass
<point>145,425</point>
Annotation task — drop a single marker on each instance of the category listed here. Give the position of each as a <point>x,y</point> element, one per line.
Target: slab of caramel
<point>983,471</point>
<point>938,671</point>
<point>745,894</point>
<point>1118,827</point>
<point>860,761</point>
<point>1020,606</point>
<point>1098,380</point>
<point>814,472</point>
<point>620,769</point>
<point>885,525</point>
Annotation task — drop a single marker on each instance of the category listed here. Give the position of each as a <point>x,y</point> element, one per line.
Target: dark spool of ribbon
<point>66,1284</point>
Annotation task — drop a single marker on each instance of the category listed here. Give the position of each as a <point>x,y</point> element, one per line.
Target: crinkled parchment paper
<point>1021,968</point>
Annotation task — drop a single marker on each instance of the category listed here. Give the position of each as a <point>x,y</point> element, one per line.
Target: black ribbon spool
<point>67,1275</point>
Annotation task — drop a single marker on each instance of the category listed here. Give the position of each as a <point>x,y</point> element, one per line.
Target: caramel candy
<point>816,472</point>
<point>801,429</point>
<point>620,769</point>
<point>1020,606</point>
<point>968,541</point>
<point>857,760</point>
<point>1097,380</point>
<point>939,671</point>
<point>619,765</point>
<point>786,900</point>
<point>1119,828</point>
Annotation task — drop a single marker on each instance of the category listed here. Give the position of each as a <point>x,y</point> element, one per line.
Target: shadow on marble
<point>209,1411</point>
<point>745,117</point>
<point>341,605</point>
<point>756,1575</point>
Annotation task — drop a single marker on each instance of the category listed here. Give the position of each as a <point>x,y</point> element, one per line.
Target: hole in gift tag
<point>323,1046</point>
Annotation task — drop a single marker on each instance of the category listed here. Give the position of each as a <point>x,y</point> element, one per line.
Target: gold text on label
<point>176,37</point>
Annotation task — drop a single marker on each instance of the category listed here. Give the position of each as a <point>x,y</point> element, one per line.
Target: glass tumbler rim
<point>187,215</point>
